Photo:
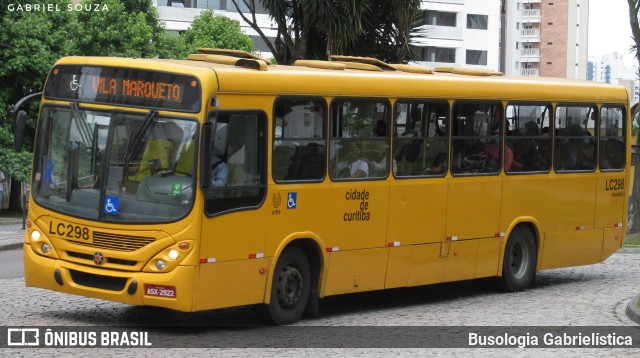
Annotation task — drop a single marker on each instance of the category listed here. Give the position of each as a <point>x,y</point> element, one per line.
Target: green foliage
<point>30,42</point>
<point>171,45</point>
<point>209,30</point>
<point>312,29</point>
<point>116,32</point>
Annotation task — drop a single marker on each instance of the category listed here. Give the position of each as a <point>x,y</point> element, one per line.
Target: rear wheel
<point>290,288</point>
<point>519,265</point>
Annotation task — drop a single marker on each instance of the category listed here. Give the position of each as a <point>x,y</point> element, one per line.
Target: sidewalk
<point>11,232</point>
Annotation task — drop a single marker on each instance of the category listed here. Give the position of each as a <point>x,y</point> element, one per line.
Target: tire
<point>520,257</point>
<point>291,287</point>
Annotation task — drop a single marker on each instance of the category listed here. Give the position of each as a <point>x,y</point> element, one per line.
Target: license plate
<point>160,291</point>
<point>70,231</point>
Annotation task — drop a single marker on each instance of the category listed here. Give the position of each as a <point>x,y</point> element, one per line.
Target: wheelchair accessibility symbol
<point>292,200</point>
<point>111,205</point>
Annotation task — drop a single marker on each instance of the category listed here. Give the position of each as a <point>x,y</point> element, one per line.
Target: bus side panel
<point>610,200</point>
<point>526,196</point>
<point>444,262</point>
<point>572,202</point>
<point>613,239</point>
<point>398,266</point>
<point>488,257</point>
<point>356,271</point>
<point>572,248</point>
<point>232,283</point>
<point>474,207</point>
<point>417,211</point>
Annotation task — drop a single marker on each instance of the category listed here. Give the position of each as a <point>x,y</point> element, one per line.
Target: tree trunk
<point>633,216</point>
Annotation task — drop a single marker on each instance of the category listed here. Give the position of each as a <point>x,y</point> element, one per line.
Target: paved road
<point>582,296</point>
<point>11,265</point>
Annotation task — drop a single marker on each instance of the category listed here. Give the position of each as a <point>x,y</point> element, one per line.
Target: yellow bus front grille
<point>103,240</point>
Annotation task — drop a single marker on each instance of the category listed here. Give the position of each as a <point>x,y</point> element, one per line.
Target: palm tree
<point>315,29</point>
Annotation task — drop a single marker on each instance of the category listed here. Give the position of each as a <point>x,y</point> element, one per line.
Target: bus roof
<point>312,80</point>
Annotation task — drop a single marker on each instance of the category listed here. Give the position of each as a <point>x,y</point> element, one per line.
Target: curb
<point>11,222</point>
<point>14,246</point>
<point>632,311</point>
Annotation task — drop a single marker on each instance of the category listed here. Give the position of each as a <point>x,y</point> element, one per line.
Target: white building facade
<point>460,33</point>
<point>546,38</point>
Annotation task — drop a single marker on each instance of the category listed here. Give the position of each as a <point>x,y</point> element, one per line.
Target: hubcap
<point>289,286</point>
<point>519,260</point>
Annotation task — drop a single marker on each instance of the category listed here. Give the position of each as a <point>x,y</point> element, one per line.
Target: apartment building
<point>546,38</point>
<point>177,15</point>
<point>462,33</point>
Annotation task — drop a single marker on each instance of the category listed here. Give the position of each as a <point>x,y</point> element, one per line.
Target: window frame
<point>330,137</point>
<point>624,135</point>
<point>551,134</point>
<point>486,22</point>
<point>262,149</point>
<point>325,127</point>
<point>447,136</point>
<point>482,101</point>
<point>556,136</point>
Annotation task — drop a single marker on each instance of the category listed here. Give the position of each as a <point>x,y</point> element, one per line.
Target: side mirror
<point>19,130</point>
<point>20,117</point>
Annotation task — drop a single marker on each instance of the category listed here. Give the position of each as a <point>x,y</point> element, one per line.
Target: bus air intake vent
<point>98,281</point>
<point>111,260</point>
<point>103,240</point>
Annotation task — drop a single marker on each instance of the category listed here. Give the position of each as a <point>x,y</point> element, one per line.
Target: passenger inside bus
<point>219,168</point>
<point>353,165</point>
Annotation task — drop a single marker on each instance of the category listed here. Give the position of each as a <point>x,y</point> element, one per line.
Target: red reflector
<point>160,291</point>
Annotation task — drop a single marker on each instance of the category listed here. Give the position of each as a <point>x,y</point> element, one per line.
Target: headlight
<point>173,254</point>
<point>160,265</point>
<point>35,235</point>
<point>45,248</point>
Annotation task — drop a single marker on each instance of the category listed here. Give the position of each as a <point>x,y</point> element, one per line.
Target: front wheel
<point>290,288</point>
<point>519,265</point>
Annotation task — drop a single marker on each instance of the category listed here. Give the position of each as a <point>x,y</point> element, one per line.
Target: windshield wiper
<point>83,128</point>
<point>136,142</point>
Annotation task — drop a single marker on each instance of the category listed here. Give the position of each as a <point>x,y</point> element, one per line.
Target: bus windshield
<point>114,166</point>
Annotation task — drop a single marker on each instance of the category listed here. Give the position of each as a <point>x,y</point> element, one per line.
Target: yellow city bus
<point>223,180</point>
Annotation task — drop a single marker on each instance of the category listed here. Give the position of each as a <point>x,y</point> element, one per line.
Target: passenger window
<point>359,139</point>
<point>299,140</point>
<point>421,138</point>
<point>528,136</point>
<point>476,138</point>
<point>238,164</point>
<point>612,138</point>
<point>575,140</point>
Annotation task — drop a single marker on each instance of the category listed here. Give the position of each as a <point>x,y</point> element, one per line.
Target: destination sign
<point>124,86</point>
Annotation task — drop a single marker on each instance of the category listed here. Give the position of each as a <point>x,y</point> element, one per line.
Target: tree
<point>209,30</point>
<point>315,29</point>
<point>127,29</point>
<point>30,42</point>
<point>634,207</point>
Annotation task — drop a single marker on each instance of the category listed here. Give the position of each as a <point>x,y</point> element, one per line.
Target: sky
<point>609,29</point>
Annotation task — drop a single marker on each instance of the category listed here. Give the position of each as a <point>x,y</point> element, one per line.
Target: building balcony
<point>438,32</point>
<point>531,1</point>
<point>530,35</point>
<point>531,15</point>
<point>530,55</point>
<point>530,72</point>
